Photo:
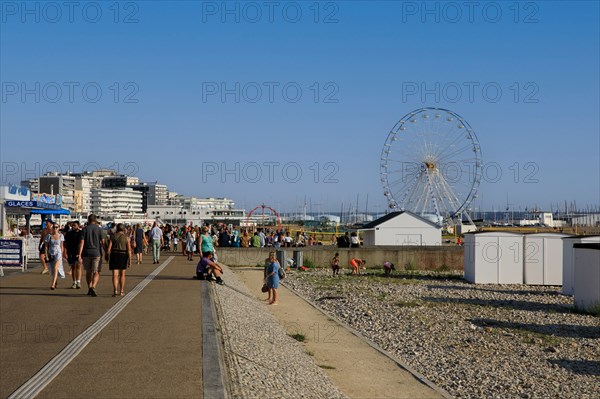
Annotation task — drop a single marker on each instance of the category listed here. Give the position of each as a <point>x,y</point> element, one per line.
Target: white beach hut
<point>587,276</point>
<point>569,260</point>
<point>543,258</point>
<point>493,257</point>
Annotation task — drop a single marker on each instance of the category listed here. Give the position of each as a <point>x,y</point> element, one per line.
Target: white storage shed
<point>543,258</point>
<point>493,257</point>
<point>401,228</point>
<point>587,276</point>
<point>569,260</point>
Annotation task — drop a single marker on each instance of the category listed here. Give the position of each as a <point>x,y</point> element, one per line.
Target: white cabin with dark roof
<point>401,228</point>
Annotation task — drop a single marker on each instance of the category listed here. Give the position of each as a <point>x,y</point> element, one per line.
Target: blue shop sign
<point>31,204</point>
<point>20,204</point>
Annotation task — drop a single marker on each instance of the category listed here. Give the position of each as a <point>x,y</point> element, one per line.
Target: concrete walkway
<point>151,348</point>
<point>354,366</point>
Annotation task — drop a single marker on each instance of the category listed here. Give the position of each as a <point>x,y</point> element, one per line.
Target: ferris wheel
<point>431,164</point>
<point>271,215</point>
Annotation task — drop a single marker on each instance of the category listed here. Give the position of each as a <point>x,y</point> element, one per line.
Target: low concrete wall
<point>422,258</point>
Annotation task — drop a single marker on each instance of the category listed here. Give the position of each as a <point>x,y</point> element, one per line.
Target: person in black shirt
<point>343,241</point>
<point>72,239</point>
<point>224,239</point>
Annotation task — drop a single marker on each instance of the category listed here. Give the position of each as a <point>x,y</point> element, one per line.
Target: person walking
<point>72,240</point>
<point>55,248</point>
<point>207,242</point>
<point>156,236</point>
<point>42,244</point>
<point>119,252</point>
<point>138,243</point>
<point>190,243</point>
<point>273,277</point>
<point>90,251</point>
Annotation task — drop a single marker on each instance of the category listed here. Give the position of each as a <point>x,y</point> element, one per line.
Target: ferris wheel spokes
<point>420,150</point>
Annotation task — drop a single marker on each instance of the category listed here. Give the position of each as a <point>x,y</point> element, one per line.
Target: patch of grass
<point>443,268</point>
<point>408,304</point>
<point>410,265</point>
<point>382,296</point>
<point>593,311</point>
<point>308,263</point>
<point>447,275</point>
<point>326,367</point>
<point>529,337</point>
<point>299,337</point>
<point>309,353</point>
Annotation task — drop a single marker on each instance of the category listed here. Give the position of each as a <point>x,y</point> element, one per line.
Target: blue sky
<point>353,63</point>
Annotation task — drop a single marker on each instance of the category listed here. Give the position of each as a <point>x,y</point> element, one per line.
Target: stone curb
<point>213,364</point>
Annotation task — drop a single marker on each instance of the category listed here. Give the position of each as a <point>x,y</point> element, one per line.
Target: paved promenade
<point>172,336</point>
<point>148,343</point>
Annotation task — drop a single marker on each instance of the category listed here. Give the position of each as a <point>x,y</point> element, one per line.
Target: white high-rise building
<point>196,204</point>
<point>116,202</point>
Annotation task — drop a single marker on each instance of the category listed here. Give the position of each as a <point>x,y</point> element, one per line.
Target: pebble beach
<point>474,341</point>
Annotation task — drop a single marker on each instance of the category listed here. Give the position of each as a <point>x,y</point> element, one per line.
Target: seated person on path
<point>207,268</point>
<point>388,267</point>
<point>356,263</point>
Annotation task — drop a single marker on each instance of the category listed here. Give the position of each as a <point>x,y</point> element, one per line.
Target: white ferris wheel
<point>431,165</point>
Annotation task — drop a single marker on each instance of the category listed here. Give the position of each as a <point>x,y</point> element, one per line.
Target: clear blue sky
<point>173,58</point>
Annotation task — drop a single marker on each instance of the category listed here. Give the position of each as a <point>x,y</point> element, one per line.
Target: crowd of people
<point>87,247</point>
<point>189,239</point>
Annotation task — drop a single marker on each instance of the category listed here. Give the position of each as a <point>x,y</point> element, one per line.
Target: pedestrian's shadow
<point>240,292</point>
<point>558,330</point>
<point>172,278</point>
<point>54,294</point>
<point>506,304</point>
<point>516,291</point>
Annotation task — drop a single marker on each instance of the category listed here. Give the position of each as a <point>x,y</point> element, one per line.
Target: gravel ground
<point>262,360</point>
<point>475,341</point>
